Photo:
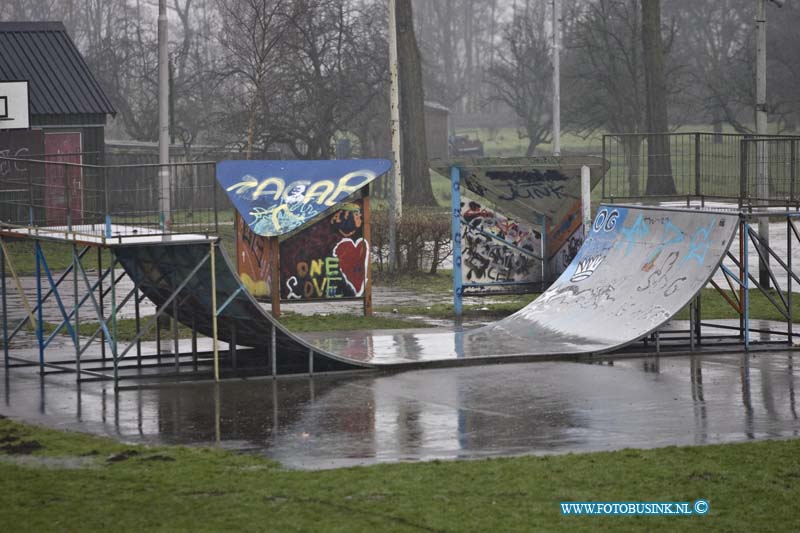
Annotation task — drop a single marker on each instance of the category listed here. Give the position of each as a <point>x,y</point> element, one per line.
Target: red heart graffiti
<point>353,262</point>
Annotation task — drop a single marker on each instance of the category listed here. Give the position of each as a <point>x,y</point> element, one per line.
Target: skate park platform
<point>638,267</point>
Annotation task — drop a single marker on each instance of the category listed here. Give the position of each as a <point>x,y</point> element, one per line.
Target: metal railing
<point>110,200</point>
<point>749,170</point>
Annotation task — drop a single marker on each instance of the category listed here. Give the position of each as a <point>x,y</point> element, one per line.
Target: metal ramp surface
<point>637,269</point>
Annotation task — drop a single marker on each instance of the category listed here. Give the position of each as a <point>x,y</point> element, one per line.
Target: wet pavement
<point>500,410</point>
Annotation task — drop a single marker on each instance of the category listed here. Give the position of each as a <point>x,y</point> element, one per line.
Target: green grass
<point>752,486</point>
<point>126,330</point>
<point>126,327</point>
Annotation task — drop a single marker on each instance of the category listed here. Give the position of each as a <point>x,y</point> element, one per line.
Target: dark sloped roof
<point>60,82</point>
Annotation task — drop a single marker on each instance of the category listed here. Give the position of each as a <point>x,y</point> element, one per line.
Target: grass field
<point>53,480</point>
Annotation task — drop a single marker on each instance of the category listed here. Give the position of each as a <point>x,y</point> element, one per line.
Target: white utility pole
<point>762,153</point>
<point>396,192</point>
<point>163,118</point>
<point>556,77</point>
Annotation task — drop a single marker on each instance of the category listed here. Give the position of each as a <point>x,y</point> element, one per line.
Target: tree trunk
<point>416,177</point>
<point>632,148</point>
<point>659,164</point>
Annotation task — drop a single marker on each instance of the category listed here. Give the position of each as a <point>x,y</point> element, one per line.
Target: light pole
<point>556,77</point>
<point>163,119</point>
<point>395,194</point>
<point>762,155</point>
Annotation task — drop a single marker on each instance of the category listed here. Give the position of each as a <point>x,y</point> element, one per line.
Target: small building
<point>67,110</point>
<point>64,96</point>
<point>437,130</point>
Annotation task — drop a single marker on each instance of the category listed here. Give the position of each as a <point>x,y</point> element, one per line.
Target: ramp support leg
<point>214,310</point>
<point>39,317</point>
<point>175,347</point>
<point>746,264</point>
<point>232,347</point>
<point>273,358</point>
<point>789,269</point>
<point>76,304</point>
<point>455,237</point>
<point>310,363</point>
<point>5,306</point>
<point>194,344</point>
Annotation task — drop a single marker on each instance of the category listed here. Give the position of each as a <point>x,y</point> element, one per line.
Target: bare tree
<point>416,175</point>
<point>251,33</point>
<point>522,74</point>
<point>659,162</point>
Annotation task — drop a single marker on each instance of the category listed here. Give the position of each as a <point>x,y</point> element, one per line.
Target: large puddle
<point>333,421</point>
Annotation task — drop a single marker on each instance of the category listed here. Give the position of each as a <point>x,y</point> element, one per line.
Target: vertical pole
<point>586,199</point>
<point>396,192</point>
<point>310,362</point>
<point>232,347</point>
<point>138,317</point>
<point>455,237</point>
<point>789,326</point>
<point>163,119</point>
<point>699,314</point>
<point>604,174</point>
<point>5,306</point>
<point>275,275</point>
<point>697,189</point>
<point>67,194</point>
<point>742,273</point>
<point>545,254</point>
<point>367,234</point>
<point>194,344</point>
<point>556,77</point>
<point>113,289</point>
<point>762,180</point>
<point>158,336</point>
<point>77,309</point>
<point>743,162</point>
<point>39,318</point>
<point>175,347</point>
<point>30,200</point>
<point>101,299</point>
<point>214,186</point>
<point>792,169</point>
<point>746,263</point>
<point>273,357</point>
<point>691,325</point>
<point>107,202</point>
<point>214,309</point>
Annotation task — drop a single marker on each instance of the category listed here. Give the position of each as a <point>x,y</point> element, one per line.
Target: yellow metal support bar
<point>28,308</point>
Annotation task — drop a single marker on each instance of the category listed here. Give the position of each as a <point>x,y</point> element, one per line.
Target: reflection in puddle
<point>332,421</point>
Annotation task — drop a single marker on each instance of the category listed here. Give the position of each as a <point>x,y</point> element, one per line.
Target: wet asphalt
<point>484,411</point>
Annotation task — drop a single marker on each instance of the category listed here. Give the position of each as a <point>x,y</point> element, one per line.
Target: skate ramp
<point>637,269</point>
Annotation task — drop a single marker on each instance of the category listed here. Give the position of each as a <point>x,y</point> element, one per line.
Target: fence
<point>57,193</point>
<point>746,169</point>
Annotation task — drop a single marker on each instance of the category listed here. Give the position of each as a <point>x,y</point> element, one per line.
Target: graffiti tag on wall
<point>495,248</point>
<point>252,259</point>
<point>327,260</point>
<point>277,197</point>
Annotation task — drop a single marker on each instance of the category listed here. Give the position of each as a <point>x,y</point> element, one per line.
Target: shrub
<point>423,239</point>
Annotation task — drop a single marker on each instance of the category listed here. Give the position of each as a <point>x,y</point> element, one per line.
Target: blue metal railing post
<point>39,318</point>
<point>458,289</point>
